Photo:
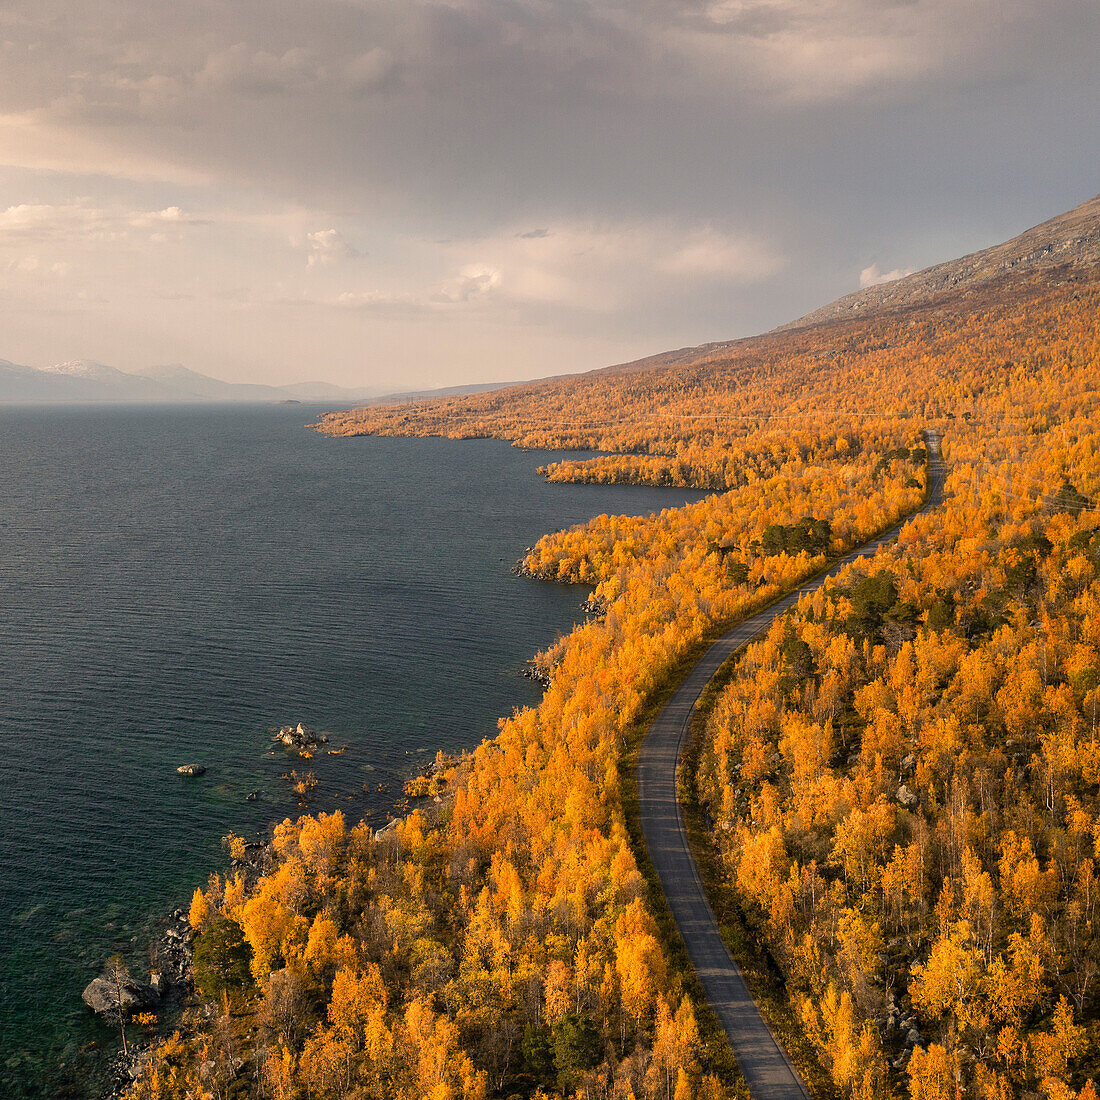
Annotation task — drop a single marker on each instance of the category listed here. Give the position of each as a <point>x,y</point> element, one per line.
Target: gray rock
<point>906,797</point>
<point>913,1038</point>
<point>191,769</point>
<point>101,996</point>
<point>299,737</point>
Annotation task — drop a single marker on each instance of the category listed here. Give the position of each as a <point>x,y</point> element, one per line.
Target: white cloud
<point>574,268</point>
<point>33,264</point>
<point>169,216</point>
<point>705,252</point>
<point>873,276</point>
<point>475,282</point>
<point>82,223</point>
<point>378,300</point>
<point>328,246</point>
<point>369,70</point>
<point>602,267</point>
<point>474,285</point>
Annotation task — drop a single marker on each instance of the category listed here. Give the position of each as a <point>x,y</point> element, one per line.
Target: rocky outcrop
<point>191,769</point>
<point>104,997</point>
<point>169,977</point>
<point>595,605</point>
<point>173,955</point>
<point>531,671</point>
<point>906,797</point>
<point>300,737</point>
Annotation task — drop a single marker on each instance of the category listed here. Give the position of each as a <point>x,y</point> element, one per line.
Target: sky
<point>401,193</point>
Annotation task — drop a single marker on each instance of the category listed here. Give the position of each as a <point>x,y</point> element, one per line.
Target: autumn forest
<point>898,786</point>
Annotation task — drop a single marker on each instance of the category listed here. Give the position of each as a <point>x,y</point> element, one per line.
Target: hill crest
<point>1069,240</point>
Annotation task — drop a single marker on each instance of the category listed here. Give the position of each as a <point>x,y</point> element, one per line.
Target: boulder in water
<point>300,737</point>
<point>191,769</point>
<point>103,997</point>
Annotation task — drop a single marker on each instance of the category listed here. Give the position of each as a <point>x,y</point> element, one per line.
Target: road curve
<point>763,1062</point>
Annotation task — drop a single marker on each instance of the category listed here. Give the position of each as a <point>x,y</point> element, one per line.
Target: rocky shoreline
<point>169,975</point>
<point>168,990</point>
<point>532,672</point>
<point>118,996</point>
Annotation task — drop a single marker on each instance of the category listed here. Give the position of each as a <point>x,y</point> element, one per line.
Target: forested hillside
<point>902,779</point>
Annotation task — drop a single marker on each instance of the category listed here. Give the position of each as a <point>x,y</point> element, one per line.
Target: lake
<point>176,582</point>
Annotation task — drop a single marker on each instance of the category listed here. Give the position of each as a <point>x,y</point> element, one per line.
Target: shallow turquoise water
<point>173,583</point>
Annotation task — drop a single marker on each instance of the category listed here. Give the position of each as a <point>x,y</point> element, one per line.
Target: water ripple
<point>173,584</point>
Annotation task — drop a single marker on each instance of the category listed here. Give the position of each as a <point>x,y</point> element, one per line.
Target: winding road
<point>766,1068</point>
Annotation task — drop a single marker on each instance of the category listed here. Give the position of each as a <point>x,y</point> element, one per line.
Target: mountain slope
<point>21,385</point>
<point>102,382</point>
<point>1070,240</point>
<point>85,381</point>
<point>189,384</point>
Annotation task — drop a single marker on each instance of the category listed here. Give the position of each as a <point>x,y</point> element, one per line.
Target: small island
<point>299,737</point>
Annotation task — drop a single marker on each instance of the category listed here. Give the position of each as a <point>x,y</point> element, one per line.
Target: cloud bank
<point>541,184</point>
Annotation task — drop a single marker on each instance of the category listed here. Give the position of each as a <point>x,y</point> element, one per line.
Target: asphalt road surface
<point>764,1064</point>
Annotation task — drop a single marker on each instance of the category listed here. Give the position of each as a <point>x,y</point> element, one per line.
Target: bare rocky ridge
<point>1071,240</point>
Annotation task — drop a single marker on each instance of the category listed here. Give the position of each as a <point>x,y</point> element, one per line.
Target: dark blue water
<point>173,584</point>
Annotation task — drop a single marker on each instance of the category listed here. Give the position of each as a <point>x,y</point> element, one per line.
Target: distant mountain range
<point>84,381</point>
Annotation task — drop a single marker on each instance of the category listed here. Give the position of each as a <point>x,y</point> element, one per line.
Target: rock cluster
<point>299,737</point>
<point>595,605</point>
<point>896,1023</point>
<point>169,978</point>
<point>533,672</point>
